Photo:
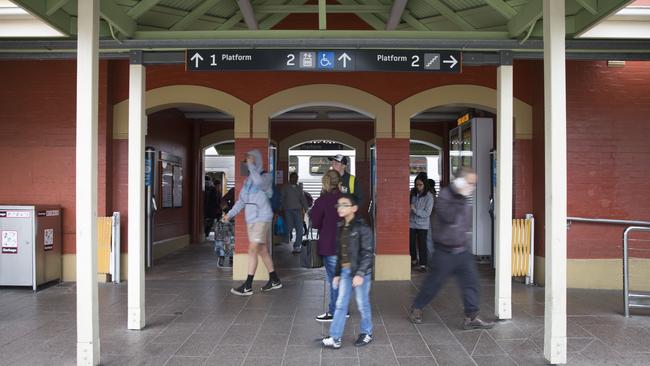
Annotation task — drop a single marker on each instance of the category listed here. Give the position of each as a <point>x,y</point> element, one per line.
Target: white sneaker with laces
<point>331,342</point>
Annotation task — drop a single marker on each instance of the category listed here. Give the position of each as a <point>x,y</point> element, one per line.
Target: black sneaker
<point>363,340</point>
<point>242,291</point>
<point>272,285</point>
<point>325,317</point>
<point>476,323</point>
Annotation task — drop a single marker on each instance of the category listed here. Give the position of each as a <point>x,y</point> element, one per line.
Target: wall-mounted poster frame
<point>178,186</point>
<point>171,180</point>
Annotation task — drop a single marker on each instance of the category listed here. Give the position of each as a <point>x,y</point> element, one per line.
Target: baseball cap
<point>340,158</point>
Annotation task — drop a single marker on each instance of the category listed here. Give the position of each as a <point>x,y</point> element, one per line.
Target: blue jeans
<point>330,267</point>
<point>343,301</point>
<point>294,221</point>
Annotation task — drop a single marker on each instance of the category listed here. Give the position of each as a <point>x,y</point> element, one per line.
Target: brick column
<point>393,261</point>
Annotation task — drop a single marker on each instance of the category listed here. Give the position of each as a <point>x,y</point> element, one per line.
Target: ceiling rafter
<point>247,12</point>
<point>396,13</point>
<point>525,18</point>
<point>315,8</point>
<point>141,8</point>
<point>589,5</point>
<point>502,8</point>
<point>54,5</point>
<point>322,15</point>
<point>273,19</point>
<point>195,14</point>
<point>450,14</point>
<point>371,19</point>
<point>59,19</point>
<point>586,20</point>
<point>114,15</point>
<point>413,22</point>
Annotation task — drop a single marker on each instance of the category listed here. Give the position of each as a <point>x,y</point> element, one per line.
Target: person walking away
<point>355,251</point>
<point>211,210</point>
<point>451,237</point>
<point>419,214</point>
<point>294,204</point>
<point>324,217</point>
<point>349,183</point>
<point>255,198</point>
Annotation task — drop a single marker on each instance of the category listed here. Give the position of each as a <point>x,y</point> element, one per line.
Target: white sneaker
<point>331,342</point>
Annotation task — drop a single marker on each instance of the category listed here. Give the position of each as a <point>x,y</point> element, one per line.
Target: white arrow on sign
<point>453,61</point>
<point>345,58</point>
<point>196,58</point>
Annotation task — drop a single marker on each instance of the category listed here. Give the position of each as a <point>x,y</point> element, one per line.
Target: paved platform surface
<point>192,319</point>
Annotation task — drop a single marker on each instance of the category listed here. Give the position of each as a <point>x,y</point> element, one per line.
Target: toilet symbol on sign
<point>307,59</point>
<point>325,60</point>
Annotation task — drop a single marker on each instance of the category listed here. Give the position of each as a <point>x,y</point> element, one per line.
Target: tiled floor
<point>192,319</point>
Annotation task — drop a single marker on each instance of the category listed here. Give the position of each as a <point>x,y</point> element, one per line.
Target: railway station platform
<point>192,319</point>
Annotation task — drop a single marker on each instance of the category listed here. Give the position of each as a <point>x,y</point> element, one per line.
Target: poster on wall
<point>167,184</point>
<point>48,239</point>
<point>9,242</point>
<point>178,186</point>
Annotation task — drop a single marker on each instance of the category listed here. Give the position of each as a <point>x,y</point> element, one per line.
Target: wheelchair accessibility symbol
<point>326,60</point>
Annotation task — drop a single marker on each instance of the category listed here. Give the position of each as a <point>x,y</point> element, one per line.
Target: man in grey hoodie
<point>255,198</point>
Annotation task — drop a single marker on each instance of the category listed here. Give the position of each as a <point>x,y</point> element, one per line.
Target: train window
<point>417,164</point>
<point>293,164</point>
<point>318,165</point>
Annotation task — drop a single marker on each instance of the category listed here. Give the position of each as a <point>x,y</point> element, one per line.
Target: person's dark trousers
<point>443,265</point>
<point>418,245</point>
<point>208,222</point>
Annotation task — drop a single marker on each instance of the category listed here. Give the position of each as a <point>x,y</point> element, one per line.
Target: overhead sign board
<point>324,60</point>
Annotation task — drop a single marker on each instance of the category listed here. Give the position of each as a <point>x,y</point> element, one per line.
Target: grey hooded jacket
<point>255,193</point>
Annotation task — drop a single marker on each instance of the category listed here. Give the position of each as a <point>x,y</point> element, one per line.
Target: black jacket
<point>453,220</point>
<point>345,186</point>
<point>361,248</point>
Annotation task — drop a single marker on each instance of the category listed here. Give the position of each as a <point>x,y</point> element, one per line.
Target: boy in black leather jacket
<point>355,251</point>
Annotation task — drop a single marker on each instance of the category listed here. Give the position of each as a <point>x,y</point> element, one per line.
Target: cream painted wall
<point>176,95</point>
<point>469,95</point>
<point>322,95</point>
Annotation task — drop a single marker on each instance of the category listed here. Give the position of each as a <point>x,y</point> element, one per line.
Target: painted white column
<point>137,130</point>
<point>86,182</point>
<point>503,196</point>
<point>555,342</point>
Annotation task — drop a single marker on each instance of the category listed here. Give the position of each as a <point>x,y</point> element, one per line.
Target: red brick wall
<point>392,225</point>
<point>38,137</point>
<point>522,189</point>
<point>608,152</point>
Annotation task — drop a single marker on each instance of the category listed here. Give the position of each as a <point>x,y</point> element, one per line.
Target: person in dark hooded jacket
<point>451,237</point>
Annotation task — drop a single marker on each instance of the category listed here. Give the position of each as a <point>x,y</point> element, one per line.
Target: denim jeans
<point>362,296</point>
<point>294,221</point>
<point>330,267</point>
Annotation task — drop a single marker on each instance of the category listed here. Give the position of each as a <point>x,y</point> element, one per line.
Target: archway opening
<point>445,139</point>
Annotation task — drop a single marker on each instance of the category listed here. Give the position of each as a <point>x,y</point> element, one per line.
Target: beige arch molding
<point>318,95</point>
<point>176,95</point>
<point>470,95</point>
<point>429,137</point>
<point>217,137</point>
<point>317,134</point>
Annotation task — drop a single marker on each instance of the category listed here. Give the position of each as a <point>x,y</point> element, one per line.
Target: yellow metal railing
<point>104,230</point>
<point>521,247</point>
